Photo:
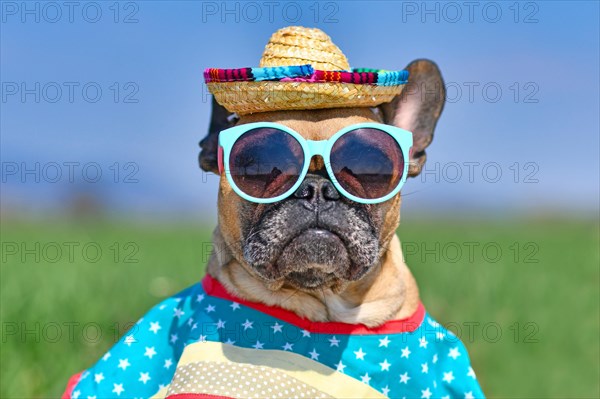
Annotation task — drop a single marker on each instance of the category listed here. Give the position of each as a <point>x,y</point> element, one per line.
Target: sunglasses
<point>266,162</point>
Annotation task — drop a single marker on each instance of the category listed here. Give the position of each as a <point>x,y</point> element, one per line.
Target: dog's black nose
<point>316,188</point>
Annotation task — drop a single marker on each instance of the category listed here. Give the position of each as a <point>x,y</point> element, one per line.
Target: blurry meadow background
<point>532,322</point>
<point>104,211</point>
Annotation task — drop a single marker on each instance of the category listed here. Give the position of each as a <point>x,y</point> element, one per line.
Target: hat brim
<point>265,96</point>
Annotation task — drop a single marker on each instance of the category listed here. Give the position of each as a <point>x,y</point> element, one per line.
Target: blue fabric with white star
<point>429,362</point>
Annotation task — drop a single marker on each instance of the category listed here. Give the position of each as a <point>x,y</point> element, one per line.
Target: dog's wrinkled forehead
<point>316,124</point>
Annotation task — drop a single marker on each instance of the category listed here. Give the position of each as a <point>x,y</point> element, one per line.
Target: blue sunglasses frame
<point>228,137</point>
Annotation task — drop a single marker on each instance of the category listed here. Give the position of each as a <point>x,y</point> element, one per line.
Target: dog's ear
<point>418,108</point>
<point>221,119</point>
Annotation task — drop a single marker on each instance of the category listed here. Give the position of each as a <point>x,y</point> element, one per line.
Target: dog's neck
<point>389,292</point>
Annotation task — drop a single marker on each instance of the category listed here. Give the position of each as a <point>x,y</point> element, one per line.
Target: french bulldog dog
<point>316,253</point>
<point>307,292</point>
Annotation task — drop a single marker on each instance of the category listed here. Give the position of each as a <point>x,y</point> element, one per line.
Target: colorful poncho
<point>205,343</point>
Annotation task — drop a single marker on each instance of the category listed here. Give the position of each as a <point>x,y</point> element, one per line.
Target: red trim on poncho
<point>214,288</point>
<point>70,386</point>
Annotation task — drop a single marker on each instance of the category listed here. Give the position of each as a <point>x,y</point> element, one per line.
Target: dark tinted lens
<point>368,163</point>
<point>266,162</point>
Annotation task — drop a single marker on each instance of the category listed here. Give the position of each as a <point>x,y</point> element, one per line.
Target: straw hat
<point>301,68</point>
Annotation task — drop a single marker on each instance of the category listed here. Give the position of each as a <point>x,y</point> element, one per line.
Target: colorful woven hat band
<point>301,69</point>
<point>306,73</point>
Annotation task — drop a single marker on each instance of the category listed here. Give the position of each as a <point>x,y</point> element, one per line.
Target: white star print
<point>365,378</point>
<point>435,359</point>
<point>221,324</point>
<point>130,339</point>
<point>174,338</point>
<point>210,308</point>
<point>150,351</point>
<point>440,335</point>
<point>384,342</point>
<point>314,355</point>
<point>423,342</point>
<point>471,373</point>
<point>454,353</point>
<point>425,368</point>
<point>178,312</point>
<point>124,363</point>
<point>333,341</point>
<point>405,352</point>
<point>161,307</point>
<point>305,333</point>
<point>446,397</point>
<point>404,378</point>
<point>448,377</point>
<point>229,341</point>
<point>91,397</point>
<point>202,338</point>
<point>200,298</point>
<point>144,377</point>
<point>288,346</point>
<point>190,321</point>
<point>426,394</point>
<point>277,327</point>
<point>385,390</point>
<point>385,366</point>
<point>106,356</point>
<point>118,389</point>
<point>469,395</point>
<point>168,364</point>
<point>340,367</point>
<point>154,326</point>
<point>99,377</point>
<point>432,323</point>
<point>76,394</point>
<point>258,345</point>
<point>360,354</point>
<point>247,324</point>
<point>235,306</point>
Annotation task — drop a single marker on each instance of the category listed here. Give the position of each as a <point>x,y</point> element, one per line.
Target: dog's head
<point>316,237</point>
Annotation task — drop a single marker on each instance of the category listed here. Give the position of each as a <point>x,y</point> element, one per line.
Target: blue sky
<point>120,89</point>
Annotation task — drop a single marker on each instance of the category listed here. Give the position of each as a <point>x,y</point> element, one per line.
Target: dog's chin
<point>311,279</point>
<point>314,259</point>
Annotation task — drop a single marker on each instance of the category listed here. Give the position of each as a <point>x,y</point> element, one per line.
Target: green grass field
<point>524,299</point>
